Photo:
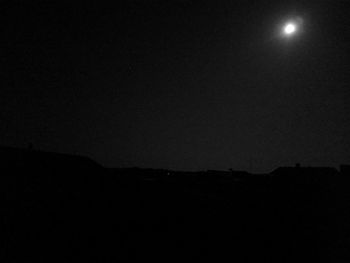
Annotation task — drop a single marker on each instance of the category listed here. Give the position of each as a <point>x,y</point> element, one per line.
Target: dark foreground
<point>62,209</point>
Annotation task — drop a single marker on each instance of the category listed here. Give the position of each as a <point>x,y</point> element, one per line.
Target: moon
<point>290,28</point>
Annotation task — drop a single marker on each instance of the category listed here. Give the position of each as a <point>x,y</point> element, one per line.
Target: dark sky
<point>185,85</point>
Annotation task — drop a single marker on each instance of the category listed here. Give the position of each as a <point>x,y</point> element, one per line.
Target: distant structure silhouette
<point>344,169</point>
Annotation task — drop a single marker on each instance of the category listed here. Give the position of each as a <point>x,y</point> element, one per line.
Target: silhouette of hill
<point>16,158</point>
<point>65,208</point>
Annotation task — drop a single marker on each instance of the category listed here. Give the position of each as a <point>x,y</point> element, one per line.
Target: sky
<point>178,84</point>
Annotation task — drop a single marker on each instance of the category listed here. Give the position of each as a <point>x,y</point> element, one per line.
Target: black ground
<point>55,210</point>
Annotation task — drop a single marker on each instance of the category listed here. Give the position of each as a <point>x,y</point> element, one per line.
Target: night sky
<point>185,85</point>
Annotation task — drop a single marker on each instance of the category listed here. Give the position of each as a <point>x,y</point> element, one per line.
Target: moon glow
<point>290,28</point>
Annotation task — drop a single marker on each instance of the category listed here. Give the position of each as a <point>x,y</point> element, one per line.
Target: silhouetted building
<point>344,169</point>
<point>298,170</point>
<point>305,174</point>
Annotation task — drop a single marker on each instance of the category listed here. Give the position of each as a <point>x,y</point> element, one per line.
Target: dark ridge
<point>17,158</point>
<point>67,208</point>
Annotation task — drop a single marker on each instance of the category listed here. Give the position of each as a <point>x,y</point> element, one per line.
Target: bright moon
<point>290,29</point>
